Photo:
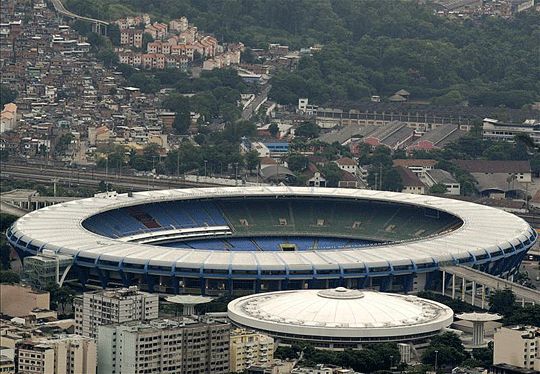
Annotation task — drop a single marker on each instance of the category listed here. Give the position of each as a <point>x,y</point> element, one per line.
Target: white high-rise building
<point>111,306</point>
<point>63,354</point>
<point>187,346</point>
<point>518,346</point>
<point>249,348</point>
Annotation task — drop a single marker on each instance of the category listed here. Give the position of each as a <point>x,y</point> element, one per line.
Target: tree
<point>248,57</point>
<point>529,315</point>
<point>273,129</point>
<point>104,186</point>
<point>63,143</point>
<point>4,155</point>
<point>197,57</point>
<point>144,81</point>
<point>146,38</point>
<point>7,95</point>
<point>297,162</point>
<point>437,188</point>
<point>484,355</point>
<point>332,174</point>
<point>252,160</point>
<point>8,276</point>
<point>64,296</point>
<point>6,220</point>
<point>307,130</point>
<point>107,56</point>
<point>524,140</point>
<point>113,31</point>
<point>236,130</point>
<point>52,288</point>
<point>451,98</point>
<point>446,349</point>
<point>5,255</point>
<point>182,121</point>
<point>390,178</point>
<point>502,301</point>
<point>285,353</point>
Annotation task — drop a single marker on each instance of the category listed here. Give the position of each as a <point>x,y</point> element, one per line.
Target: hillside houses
<point>175,45</point>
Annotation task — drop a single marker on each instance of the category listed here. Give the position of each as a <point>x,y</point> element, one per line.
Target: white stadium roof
<point>484,230</point>
<point>340,313</point>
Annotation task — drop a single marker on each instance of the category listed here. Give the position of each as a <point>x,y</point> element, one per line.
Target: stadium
<point>241,240</point>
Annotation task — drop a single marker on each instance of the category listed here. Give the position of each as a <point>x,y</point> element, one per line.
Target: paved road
<point>59,7</point>
<point>10,209</point>
<point>91,178</point>
<point>532,268</point>
<point>259,99</point>
<point>494,283</point>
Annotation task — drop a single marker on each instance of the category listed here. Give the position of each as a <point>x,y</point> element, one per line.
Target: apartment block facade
<point>249,348</point>
<point>105,307</point>
<point>186,346</point>
<point>518,346</point>
<point>69,354</point>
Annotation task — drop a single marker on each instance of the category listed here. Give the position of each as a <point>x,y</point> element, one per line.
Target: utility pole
<point>178,163</point>
<point>527,196</point>
<point>380,176</point>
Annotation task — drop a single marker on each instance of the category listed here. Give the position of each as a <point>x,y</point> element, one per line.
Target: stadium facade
<point>243,240</point>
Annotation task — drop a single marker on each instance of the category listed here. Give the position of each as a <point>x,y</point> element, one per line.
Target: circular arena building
<point>241,240</point>
<point>340,318</point>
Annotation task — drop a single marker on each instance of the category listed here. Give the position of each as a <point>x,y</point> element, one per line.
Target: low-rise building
<point>493,129</point>
<point>394,135</point>
<point>499,179</point>
<point>347,164</point>
<point>249,348</point>
<point>163,346</point>
<point>417,166</point>
<point>411,183</point>
<point>442,177</point>
<point>437,138</point>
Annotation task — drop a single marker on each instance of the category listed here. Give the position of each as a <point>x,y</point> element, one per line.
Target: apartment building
<point>185,346</point>
<point>66,354</point>
<point>7,366</point>
<point>131,37</point>
<point>518,346</point>
<point>111,306</point>
<point>249,348</point>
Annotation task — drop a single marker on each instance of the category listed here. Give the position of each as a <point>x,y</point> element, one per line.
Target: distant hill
<point>372,47</point>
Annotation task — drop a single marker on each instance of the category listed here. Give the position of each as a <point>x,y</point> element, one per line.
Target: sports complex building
<point>340,318</point>
<point>243,240</point>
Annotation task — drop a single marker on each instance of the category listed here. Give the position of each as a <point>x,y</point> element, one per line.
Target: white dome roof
<point>351,312</point>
